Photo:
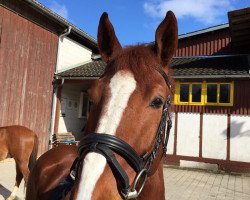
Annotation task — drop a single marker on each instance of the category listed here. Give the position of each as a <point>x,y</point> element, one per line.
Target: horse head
<point>127,108</point>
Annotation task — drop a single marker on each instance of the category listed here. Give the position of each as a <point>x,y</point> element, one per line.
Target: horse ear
<point>107,41</point>
<point>166,38</point>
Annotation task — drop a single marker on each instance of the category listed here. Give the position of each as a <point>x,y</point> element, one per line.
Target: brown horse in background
<point>128,105</point>
<point>20,143</point>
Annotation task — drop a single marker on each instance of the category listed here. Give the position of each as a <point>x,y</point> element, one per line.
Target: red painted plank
<point>27,58</point>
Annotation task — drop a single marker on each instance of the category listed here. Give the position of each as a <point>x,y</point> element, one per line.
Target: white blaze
<point>121,85</point>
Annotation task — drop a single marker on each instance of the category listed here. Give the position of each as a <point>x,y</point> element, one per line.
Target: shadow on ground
<point>5,193</point>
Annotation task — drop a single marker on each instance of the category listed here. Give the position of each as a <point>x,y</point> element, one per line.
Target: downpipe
<point>55,90</point>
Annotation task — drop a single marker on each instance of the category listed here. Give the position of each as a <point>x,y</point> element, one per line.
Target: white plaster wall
<point>170,147</point>
<point>240,138</point>
<point>70,121</point>
<point>71,54</point>
<point>188,129</point>
<point>214,136</point>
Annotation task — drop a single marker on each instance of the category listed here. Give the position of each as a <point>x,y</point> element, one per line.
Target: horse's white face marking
<point>121,85</point>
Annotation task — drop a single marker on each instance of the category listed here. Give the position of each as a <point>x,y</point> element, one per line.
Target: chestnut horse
<point>20,143</point>
<point>130,104</point>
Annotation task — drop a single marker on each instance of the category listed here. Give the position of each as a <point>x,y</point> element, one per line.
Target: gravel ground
<point>181,184</point>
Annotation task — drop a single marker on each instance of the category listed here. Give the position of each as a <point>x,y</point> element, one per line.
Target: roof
<point>199,32</point>
<point>240,27</point>
<point>90,70</point>
<point>211,66</point>
<point>40,14</point>
<point>183,67</point>
<point>202,31</point>
<point>60,19</point>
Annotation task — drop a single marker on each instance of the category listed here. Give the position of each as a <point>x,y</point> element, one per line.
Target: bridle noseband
<point>106,145</point>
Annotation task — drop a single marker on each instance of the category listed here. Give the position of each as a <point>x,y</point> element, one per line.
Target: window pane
<point>196,93</point>
<point>224,93</point>
<point>212,93</point>
<point>184,92</point>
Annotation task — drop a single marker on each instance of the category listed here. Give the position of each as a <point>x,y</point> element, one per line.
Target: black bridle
<point>106,145</point>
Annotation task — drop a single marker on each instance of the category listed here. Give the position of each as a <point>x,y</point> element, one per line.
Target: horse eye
<point>156,103</point>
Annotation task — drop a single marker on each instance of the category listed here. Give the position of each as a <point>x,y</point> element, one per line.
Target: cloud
<point>59,9</point>
<point>205,11</point>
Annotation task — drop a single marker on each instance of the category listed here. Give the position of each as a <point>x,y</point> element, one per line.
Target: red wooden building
<point>212,106</point>
<point>29,37</point>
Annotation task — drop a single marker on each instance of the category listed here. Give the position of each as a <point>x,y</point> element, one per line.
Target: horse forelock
<point>141,61</point>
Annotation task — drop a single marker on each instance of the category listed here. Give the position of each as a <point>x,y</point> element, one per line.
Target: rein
<point>106,144</point>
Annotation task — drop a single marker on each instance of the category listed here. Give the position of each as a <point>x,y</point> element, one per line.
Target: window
<point>212,93</point>
<point>204,93</point>
<point>224,93</point>
<point>83,105</point>
<point>190,93</point>
<point>196,93</point>
<point>184,92</point>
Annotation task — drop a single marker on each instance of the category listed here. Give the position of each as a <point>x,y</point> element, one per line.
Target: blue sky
<point>135,21</point>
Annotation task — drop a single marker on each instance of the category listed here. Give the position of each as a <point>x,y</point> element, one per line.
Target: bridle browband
<point>107,145</point>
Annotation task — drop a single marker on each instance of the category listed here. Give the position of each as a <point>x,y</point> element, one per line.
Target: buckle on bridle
<point>134,192</point>
<point>73,174</point>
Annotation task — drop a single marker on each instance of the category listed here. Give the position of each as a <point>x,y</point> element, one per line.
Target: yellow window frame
<point>218,94</point>
<point>190,97</point>
<point>203,94</point>
<point>177,94</point>
<point>191,93</point>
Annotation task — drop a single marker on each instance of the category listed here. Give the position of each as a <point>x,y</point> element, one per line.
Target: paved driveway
<point>180,184</point>
<point>184,184</point>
